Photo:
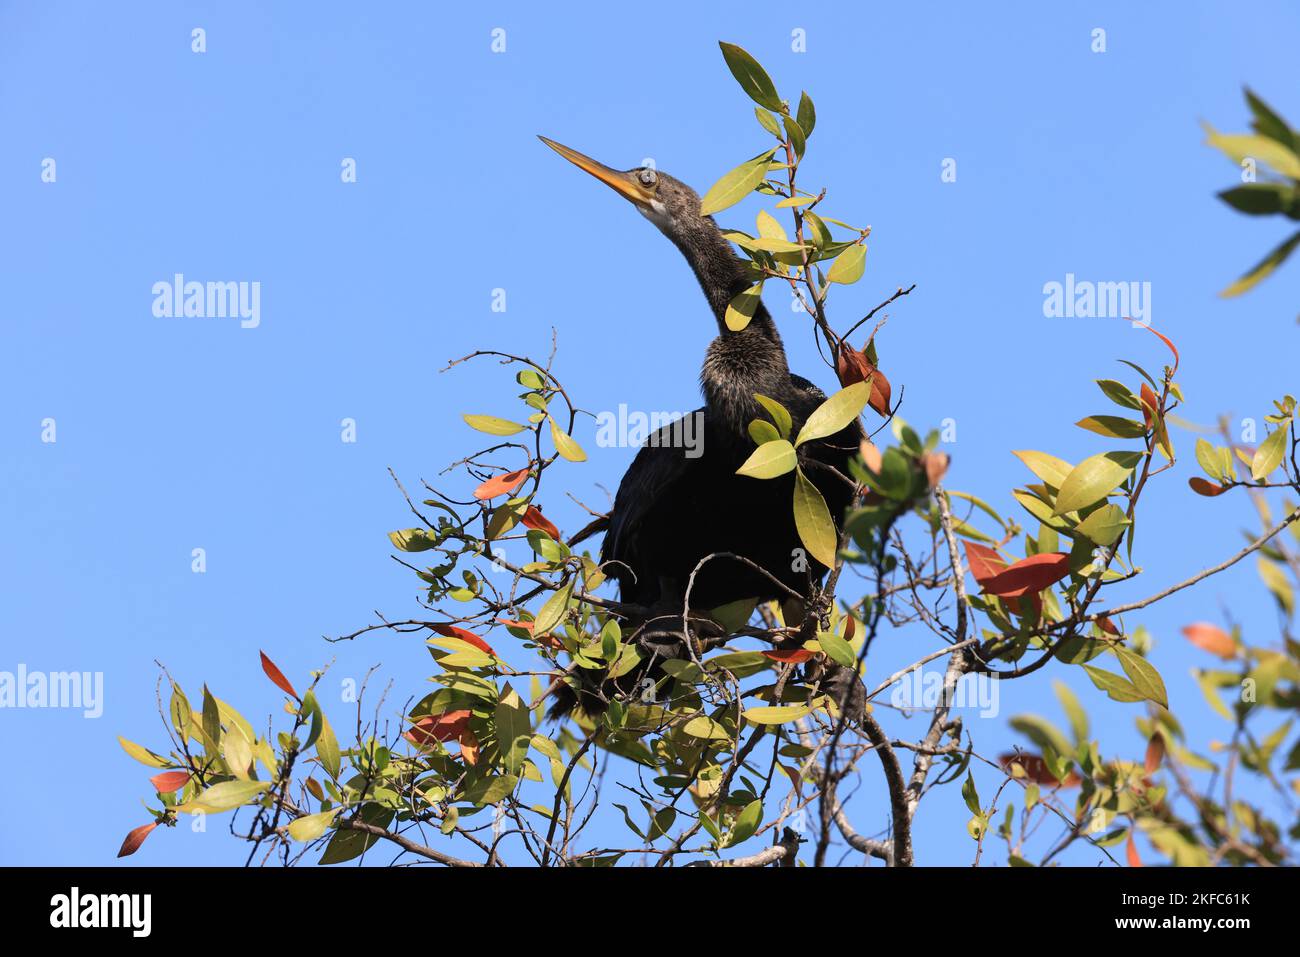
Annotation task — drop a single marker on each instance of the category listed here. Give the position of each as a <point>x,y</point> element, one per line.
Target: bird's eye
<point>647,177</point>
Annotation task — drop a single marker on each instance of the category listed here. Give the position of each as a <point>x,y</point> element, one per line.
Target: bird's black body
<point>673,510</point>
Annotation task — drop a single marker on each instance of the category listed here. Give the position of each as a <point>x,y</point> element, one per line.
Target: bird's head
<point>667,202</point>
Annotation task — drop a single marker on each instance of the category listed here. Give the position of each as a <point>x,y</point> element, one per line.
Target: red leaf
<point>448,726</point>
<point>984,562</point>
<point>1132,852</point>
<point>850,627</point>
<point>533,518</point>
<point>1036,769</point>
<point>1163,338</point>
<point>1028,575</point>
<point>1205,487</point>
<point>501,484</point>
<point>1108,626</point>
<point>792,656</point>
<point>852,366</point>
<point>135,839</point>
<point>277,678</point>
<point>1150,404</point>
<point>451,631</point>
<point>1155,753</point>
<point>1211,638</point>
<point>169,781</point>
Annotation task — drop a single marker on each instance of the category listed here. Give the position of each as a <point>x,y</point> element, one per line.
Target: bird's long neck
<point>722,275</point>
<point>738,364</point>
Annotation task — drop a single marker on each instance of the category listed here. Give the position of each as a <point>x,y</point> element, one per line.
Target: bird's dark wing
<point>658,469</point>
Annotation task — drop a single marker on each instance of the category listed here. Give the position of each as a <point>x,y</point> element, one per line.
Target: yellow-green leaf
<point>849,265</point>
<point>565,445</point>
<point>312,826</point>
<point>1047,467</point>
<point>1269,454</point>
<point>812,519</point>
<point>1264,267</point>
<point>835,413</point>
<point>226,795</point>
<point>736,184</point>
<point>1093,479</point>
<point>493,425</point>
<point>740,310</point>
<point>1104,525</point>
<point>142,754</point>
<point>769,460</point>
<point>780,415</point>
<point>776,715</point>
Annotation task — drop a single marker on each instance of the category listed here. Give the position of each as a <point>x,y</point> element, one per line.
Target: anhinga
<point>672,511</point>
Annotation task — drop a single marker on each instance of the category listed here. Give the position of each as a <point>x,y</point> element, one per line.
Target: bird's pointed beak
<point>625,184</point>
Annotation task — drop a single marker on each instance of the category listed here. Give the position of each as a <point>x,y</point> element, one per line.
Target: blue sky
<point>174,434</point>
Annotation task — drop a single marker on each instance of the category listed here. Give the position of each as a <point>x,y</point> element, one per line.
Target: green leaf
<point>837,649</point>
<point>769,460</point>
<point>704,727</point>
<point>1144,676</point>
<point>747,822</point>
<point>413,539</point>
<point>1263,268</point>
<point>795,134</point>
<point>1117,688</point>
<point>740,310</point>
<point>553,611</point>
<point>849,265</point>
<point>835,413</point>
<point>347,844</point>
<point>753,79</point>
<point>736,184</point>
<point>514,733</point>
<point>1104,526</point>
<point>1073,710</point>
<point>1267,122</point>
<point>312,826</point>
<point>767,121</point>
<point>327,749</point>
<point>1269,454</point>
<point>1260,199</point>
<point>807,115</point>
<point>489,790</point>
<point>565,445</point>
<point>1093,479</point>
<point>1047,467</point>
<point>778,413</point>
<point>1042,732</point>
<point>1119,393</point>
<point>493,425</point>
<point>812,519</point>
<point>971,796</point>
<point>1115,426</point>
